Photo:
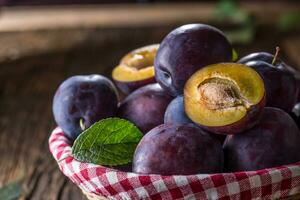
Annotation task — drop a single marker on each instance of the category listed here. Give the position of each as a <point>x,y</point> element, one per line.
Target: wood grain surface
<point>29,80</point>
<point>128,15</point>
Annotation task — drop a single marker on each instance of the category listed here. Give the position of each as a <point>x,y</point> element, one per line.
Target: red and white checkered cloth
<point>271,183</point>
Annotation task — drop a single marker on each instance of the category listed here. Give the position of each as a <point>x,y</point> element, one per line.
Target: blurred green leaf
<point>288,21</point>
<point>227,10</point>
<point>11,191</point>
<point>243,35</point>
<point>241,26</point>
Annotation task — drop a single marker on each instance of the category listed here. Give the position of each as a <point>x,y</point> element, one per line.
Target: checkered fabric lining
<point>271,183</point>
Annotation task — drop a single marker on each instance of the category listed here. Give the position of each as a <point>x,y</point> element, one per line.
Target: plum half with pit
<point>145,107</point>
<point>174,149</point>
<point>175,112</point>
<point>80,101</point>
<point>187,49</point>
<point>225,98</point>
<point>273,142</point>
<point>135,69</point>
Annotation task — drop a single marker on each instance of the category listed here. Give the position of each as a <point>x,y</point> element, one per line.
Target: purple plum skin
<point>90,98</point>
<point>187,49</point>
<point>175,112</point>
<point>145,107</point>
<point>268,58</point>
<point>128,87</point>
<point>273,142</point>
<point>281,87</point>
<point>279,64</point>
<point>174,149</point>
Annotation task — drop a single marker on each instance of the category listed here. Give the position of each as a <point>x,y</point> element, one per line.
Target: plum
<point>175,112</point>
<point>145,107</point>
<point>275,61</point>
<point>281,86</point>
<point>178,149</point>
<point>80,101</point>
<point>225,98</point>
<point>295,114</point>
<point>135,69</point>
<point>269,58</point>
<point>187,49</point>
<point>273,142</point>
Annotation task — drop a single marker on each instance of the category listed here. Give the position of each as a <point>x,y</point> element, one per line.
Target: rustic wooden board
<point>128,15</point>
<point>27,31</point>
<point>29,80</point>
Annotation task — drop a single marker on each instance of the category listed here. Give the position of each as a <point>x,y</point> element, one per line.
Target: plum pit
<point>218,93</point>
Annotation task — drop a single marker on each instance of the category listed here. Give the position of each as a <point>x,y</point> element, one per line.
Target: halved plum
<point>135,69</point>
<point>225,98</point>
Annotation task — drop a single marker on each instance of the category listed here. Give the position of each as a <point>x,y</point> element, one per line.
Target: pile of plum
<point>199,111</point>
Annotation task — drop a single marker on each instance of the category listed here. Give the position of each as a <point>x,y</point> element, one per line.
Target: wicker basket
<point>101,183</point>
<point>92,196</point>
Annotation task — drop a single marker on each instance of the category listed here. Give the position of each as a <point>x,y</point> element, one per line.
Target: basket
<point>98,182</point>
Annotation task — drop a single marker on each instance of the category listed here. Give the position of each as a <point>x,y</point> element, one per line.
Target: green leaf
<point>109,142</point>
<point>235,55</point>
<point>11,191</point>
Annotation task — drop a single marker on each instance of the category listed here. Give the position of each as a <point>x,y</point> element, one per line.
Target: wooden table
<point>36,59</point>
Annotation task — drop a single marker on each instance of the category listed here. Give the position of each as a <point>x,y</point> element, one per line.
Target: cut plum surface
<point>225,98</point>
<point>136,69</point>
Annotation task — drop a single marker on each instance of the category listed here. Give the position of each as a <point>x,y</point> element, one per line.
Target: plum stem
<point>276,55</point>
<point>81,123</point>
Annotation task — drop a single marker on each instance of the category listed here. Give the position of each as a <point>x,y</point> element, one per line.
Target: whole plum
<point>269,58</point>
<point>80,101</point>
<point>187,49</point>
<point>175,112</point>
<point>295,114</point>
<point>174,149</point>
<point>145,107</point>
<point>273,142</point>
<point>275,61</point>
<point>281,86</point>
